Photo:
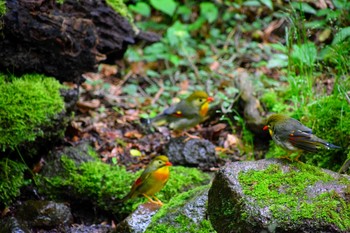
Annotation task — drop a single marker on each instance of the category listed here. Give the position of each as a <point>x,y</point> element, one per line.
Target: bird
<point>151,181</point>
<point>186,114</point>
<point>292,135</point>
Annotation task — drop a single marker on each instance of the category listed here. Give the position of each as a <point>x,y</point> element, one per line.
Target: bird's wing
<point>304,141</point>
<point>182,109</point>
<point>298,126</point>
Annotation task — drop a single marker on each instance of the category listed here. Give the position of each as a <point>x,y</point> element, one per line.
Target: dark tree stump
<point>65,40</point>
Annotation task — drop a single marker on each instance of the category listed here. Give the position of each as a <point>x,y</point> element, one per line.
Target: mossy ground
<point>284,193</point>
<point>100,183</point>
<point>185,224</point>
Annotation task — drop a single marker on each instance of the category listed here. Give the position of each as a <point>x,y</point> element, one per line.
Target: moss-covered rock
<point>27,104</point>
<point>101,184</point>
<point>273,196</point>
<point>186,212</point>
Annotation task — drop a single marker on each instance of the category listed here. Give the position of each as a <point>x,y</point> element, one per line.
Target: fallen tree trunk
<point>63,40</point>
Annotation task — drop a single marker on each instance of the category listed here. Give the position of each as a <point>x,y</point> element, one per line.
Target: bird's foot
<point>157,201</point>
<point>285,157</point>
<point>190,136</point>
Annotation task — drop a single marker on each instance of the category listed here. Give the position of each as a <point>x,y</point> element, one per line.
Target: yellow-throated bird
<point>152,180</point>
<point>292,135</point>
<point>186,114</point>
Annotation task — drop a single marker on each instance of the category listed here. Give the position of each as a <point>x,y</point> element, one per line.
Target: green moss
<point>2,8</point>
<point>120,7</point>
<point>185,224</point>
<point>11,180</point>
<point>284,193</point>
<point>99,183</point>
<point>330,120</point>
<point>26,103</point>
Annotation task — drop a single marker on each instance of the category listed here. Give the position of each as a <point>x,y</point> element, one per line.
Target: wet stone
<point>12,224</point>
<point>138,221</point>
<point>191,153</point>
<point>44,214</point>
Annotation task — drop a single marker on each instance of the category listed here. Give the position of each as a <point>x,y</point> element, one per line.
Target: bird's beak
<point>168,164</point>
<point>210,99</point>
<point>266,127</point>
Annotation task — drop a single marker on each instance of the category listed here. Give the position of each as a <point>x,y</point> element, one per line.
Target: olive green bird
<point>151,181</point>
<point>292,135</point>
<point>186,114</point>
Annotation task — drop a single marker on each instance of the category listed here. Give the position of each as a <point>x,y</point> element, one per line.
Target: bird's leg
<point>158,202</point>
<point>286,156</point>
<point>297,158</point>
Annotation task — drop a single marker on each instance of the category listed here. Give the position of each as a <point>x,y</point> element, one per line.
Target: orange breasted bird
<point>152,180</point>
<point>292,135</point>
<point>187,113</point>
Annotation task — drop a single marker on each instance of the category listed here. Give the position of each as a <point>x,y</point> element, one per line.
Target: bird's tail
<point>310,142</point>
<point>125,198</point>
<point>159,120</point>
<point>331,146</point>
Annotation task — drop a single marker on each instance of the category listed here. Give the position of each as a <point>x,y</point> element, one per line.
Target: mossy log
<point>63,40</point>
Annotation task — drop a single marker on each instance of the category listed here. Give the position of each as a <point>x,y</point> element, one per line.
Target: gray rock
<point>11,224</point>
<point>89,229</point>
<point>193,153</point>
<point>139,220</point>
<point>44,214</point>
<point>274,196</point>
<point>185,213</point>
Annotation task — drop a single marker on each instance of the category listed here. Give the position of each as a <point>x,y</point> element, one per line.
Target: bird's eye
<point>160,162</point>
<point>200,100</point>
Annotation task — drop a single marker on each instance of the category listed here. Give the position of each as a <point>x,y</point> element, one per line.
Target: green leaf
<point>280,47</point>
<point>209,11</point>
<point>184,11</point>
<point>130,89</point>
<point>304,7</point>
<point>278,60</point>
<point>267,3</point>
<point>141,8</point>
<point>252,3</point>
<point>177,34</point>
<point>305,53</point>
<point>341,35</point>
<point>166,6</point>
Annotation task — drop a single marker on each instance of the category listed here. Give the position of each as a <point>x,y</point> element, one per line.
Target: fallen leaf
<point>134,152</point>
<point>92,104</point>
<point>133,134</point>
